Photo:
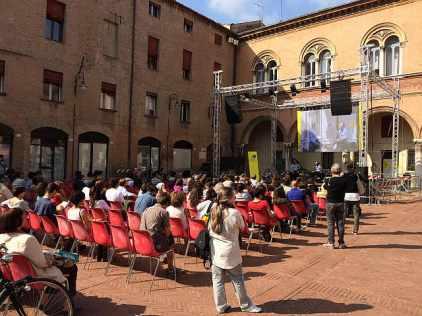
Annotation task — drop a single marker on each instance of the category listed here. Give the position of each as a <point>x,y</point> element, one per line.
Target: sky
<point>234,11</point>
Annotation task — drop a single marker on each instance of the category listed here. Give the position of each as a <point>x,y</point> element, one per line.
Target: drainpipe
<point>131,86</point>
<point>232,126</point>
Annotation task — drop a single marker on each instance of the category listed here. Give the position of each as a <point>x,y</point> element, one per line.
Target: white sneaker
<point>252,309</point>
<point>329,245</point>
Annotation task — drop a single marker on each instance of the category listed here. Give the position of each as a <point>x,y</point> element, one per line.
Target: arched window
<point>272,70</point>
<point>392,56</point>
<point>325,64</point>
<point>182,155</point>
<point>310,70</point>
<point>93,153</point>
<point>149,154</point>
<point>260,73</point>
<point>48,152</point>
<point>374,56</point>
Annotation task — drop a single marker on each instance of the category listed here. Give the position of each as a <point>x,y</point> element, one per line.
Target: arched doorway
<point>6,141</point>
<point>182,155</point>
<point>260,141</point>
<point>48,152</point>
<point>380,143</point>
<point>149,154</point>
<point>93,153</point>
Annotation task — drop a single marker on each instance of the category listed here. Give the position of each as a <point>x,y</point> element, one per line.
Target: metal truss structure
<point>366,76</point>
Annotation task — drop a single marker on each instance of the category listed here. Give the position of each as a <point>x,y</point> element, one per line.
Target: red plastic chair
<point>322,206</point>
<point>131,206</point>
<point>299,207</point>
<point>243,208</point>
<point>116,205</point>
<point>20,267</point>
<point>35,222</point>
<point>195,227</point>
<point>193,213</point>
<point>120,242</point>
<point>144,246</point>
<point>26,225</point>
<point>262,218</point>
<point>177,230</point>
<point>133,220</point>
<point>115,217</point>
<point>50,228</point>
<point>282,213</point>
<point>81,234</point>
<point>65,229</point>
<point>98,214</point>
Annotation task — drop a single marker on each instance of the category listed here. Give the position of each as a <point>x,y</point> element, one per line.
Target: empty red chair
<point>120,242</point>
<point>81,233</point>
<point>144,246</point>
<point>177,230</point>
<point>322,204</point>
<point>50,228</point>
<point>195,227</point>
<point>115,217</point>
<point>282,213</point>
<point>116,205</point>
<point>98,214</point>
<point>65,229</point>
<point>133,220</point>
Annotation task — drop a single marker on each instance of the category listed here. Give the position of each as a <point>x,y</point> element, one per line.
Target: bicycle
<point>32,295</point>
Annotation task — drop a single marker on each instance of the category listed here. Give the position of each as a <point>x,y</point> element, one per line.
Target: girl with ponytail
<point>224,227</point>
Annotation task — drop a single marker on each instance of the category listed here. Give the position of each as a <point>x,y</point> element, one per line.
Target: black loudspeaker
<point>341,97</point>
<point>232,105</point>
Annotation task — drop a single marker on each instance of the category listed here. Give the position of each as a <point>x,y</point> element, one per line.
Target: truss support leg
<point>216,128</point>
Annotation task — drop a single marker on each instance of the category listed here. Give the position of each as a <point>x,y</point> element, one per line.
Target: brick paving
<point>379,274</point>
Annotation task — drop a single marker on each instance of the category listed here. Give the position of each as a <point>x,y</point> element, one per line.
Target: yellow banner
<point>253,164</point>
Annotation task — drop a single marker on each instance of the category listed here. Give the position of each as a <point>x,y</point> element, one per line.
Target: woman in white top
<point>27,245</point>
<point>224,226</point>
<point>75,213</point>
<point>98,198</point>
<point>176,209</point>
<point>17,200</point>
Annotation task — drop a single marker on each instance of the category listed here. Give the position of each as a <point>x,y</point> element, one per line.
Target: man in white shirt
<point>112,194</point>
<point>122,188</point>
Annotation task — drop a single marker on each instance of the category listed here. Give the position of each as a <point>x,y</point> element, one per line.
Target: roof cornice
<point>347,9</point>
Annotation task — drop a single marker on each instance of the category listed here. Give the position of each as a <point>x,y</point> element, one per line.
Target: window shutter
<point>218,39</point>
<point>187,60</point>
<point>55,10</point>
<point>53,77</point>
<point>152,46</point>
<point>2,67</point>
<point>108,88</point>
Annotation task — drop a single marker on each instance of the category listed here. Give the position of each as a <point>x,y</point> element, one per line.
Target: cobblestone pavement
<point>379,274</point>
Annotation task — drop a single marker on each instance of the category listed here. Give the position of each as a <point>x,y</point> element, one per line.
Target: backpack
<point>203,249</point>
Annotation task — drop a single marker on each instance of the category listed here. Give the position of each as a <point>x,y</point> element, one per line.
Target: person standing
<point>336,188</point>
<point>224,226</point>
<point>352,196</point>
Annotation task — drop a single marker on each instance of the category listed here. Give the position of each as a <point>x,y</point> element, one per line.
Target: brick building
<point>89,85</point>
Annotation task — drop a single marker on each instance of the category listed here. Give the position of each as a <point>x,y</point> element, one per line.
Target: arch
<point>149,141</point>
<point>254,123</point>
<point>93,137</point>
<point>183,144</point>
<point>265,57</point>
<point>381,32</point>
<point>385,109</point>
<point>316,47</point>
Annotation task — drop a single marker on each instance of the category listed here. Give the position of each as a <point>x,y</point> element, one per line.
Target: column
<point>418,157</point>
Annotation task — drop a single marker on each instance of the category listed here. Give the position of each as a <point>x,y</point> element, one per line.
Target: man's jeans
<point>335,216</point>
<point>355,207</point>
<point>236,277</point>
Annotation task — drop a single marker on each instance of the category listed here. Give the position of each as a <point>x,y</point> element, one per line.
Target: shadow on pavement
<point>311,306</point>
<point>94,305</point>
<point>388,246</point>
<point>398,233</point>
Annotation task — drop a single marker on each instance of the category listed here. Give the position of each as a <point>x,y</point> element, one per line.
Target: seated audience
<point>176,209</point>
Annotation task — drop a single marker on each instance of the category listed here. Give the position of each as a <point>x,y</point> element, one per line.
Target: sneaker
<point>252,309</point>
<point>342,246</point>
<point>328,245</point>
<point>355,233</point>
<point>225,310</point>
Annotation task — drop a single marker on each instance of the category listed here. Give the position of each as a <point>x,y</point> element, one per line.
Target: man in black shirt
<point>336,188</point>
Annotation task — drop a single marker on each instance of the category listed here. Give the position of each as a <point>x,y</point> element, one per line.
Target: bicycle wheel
<point>42,297</point>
